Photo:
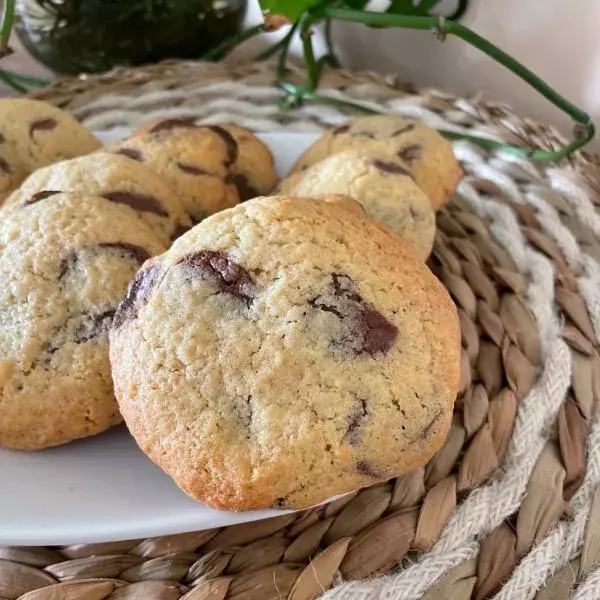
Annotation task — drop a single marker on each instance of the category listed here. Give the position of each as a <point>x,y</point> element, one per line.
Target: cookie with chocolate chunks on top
<point>39,134</point>
<point>285,351</point>
<point>250,164</point>
<point>194,161</point>
<point>65,264</point>
<point>424,152</point>
<point>253,171</point>
<point>117,178</point>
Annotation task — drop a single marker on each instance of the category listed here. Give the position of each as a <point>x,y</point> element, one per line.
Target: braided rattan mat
<point>510,506</point>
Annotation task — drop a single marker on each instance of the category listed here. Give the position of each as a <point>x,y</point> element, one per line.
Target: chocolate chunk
<point>66,264</point>
<point>344,285</point>
<point>180,229</point>
<point>403,130</point>
<point>175,123</point>
<point>371,333</point>
<point>416,215</point>
<point>42,125</point>
<point>245,190</point>
<point>191,169</point>
<point>379,335</point>
<point>137,294</point>
<point>390,167</point>
<point>230,142</point>
<point>41,195</point>
<point>366,468</point>
<point>48,351</point>
<point>356,419</point>
<point>139,254</point>
<point>141,202</point>
<point>410,153</point>
<point>2,139</point>
<point>341,129</point>
<point>130,153</point>
<point>225,274</point>
<point>94,326</point>
<point>4,166</point>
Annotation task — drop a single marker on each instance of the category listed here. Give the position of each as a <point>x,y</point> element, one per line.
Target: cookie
<point>193,161</point>
<point>383,187</point>
<point>11,173</point>
<point>285,351</point>
<point>66,261</point>
<point>118,179</point>
<point>424,151</point>
<point>40,134</point>
<point>253,169</point>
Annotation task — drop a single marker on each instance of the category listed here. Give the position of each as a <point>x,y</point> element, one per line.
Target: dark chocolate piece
<point>42,125</point>
<point>141,202</point>
<point>137,294</point>
<point>225,274</point>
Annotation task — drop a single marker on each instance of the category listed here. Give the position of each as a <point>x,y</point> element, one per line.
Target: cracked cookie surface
<point>192,160</point>
<point>119,179</point>
<point>284,351</point>
<point>427,155</point>
<point>381,185</point>
<point>39,134</point>
<point>65,262</point>
<point>249,163</point>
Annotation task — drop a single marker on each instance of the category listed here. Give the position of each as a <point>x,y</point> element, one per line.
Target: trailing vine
<point>302,17</point>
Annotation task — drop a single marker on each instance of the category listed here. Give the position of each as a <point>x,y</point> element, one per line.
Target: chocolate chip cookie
<point>65,262</point>
<point>285,351</point>
<point>40,134</point>
<point>423,150</point>
<point>251,166</point>
<point>383,186</point>
<point>118,179</point>
<point>194,161</point>
<point>253,171</point>
<point>11,172</point>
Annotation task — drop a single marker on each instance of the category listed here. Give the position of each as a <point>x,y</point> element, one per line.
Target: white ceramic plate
<point>104,488</point>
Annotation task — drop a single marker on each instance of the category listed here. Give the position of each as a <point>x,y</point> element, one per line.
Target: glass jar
<point>87,36</point>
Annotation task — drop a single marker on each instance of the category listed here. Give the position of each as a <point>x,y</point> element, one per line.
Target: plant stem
<point>458,14</point>
<point>287,40</point>
<point>12,83</point>
<point>445,26</point>
<point>26,79</point>
<point>309,54</point>
<point>272,50</point>
<point>541,155</point>
<point>333,59</point>
<point>224,48</point>
<point>8,16</point>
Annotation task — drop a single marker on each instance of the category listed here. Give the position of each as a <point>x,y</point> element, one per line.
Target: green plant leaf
<point>292,9</point>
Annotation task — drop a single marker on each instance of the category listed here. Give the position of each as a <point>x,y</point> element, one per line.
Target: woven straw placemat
<point>509,508</point>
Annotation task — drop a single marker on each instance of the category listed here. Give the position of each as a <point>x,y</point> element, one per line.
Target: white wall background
<point>558,39</point>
